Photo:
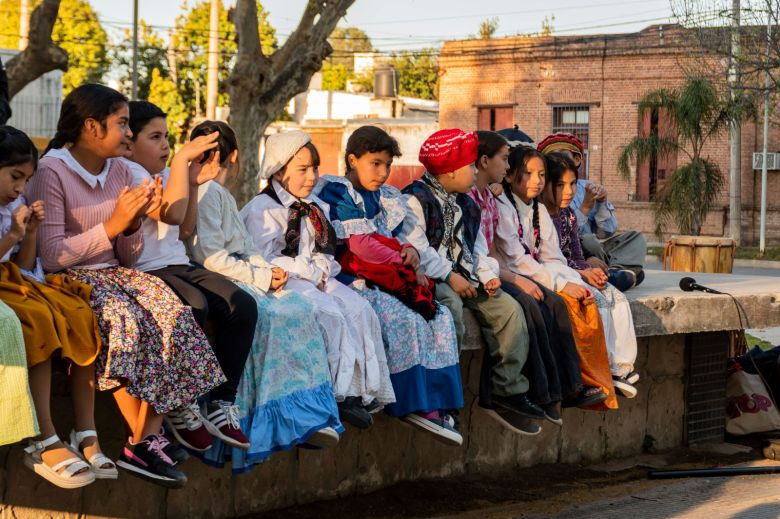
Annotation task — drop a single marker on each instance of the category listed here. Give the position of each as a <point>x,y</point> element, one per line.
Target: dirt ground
<point>540,491</point>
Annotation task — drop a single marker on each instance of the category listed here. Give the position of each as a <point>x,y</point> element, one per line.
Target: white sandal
<point>69,478</point>
<point>98,459</point>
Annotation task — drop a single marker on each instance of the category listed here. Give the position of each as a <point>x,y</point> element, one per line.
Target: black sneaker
<point>373,406</point>
<point>552,413</point>
<point>513,422</point>
<point>352,412</point>
<point>147,460</point>
<point>520,405</point>
<point>622,279</point>
<point>173,451</point>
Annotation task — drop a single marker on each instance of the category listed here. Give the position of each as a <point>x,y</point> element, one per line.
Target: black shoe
<point>513,422</point>
<point>640,276</point>
<point>176,453</point>
<point>352,412</point>
<point>520,405</point>
<point>147,460</point>
<point>552,413</point>
<point>589,396</point>
<point>622,279</point>
<point>373,406</point>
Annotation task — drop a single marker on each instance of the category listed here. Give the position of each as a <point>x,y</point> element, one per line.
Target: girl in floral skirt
<point>154,354</point>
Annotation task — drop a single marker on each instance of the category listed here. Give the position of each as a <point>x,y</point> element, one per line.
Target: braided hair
<point>88,101</point>
<point>518,160</point>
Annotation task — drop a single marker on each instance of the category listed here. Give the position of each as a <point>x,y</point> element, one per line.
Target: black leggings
<point>233,312</point>
<point>553,367</point>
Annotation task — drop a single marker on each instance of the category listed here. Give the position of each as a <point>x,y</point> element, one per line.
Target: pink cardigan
<point>72,233</point>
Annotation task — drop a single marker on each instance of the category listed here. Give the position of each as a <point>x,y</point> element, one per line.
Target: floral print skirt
<point>151,342</point>
<point>422,355</point>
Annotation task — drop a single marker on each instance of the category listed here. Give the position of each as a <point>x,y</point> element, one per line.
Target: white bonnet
<point>279,149</point>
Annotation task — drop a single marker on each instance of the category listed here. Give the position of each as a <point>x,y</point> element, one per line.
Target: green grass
<point>755,341</point>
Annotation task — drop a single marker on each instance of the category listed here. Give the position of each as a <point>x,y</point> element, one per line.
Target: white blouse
<point>266,221</point>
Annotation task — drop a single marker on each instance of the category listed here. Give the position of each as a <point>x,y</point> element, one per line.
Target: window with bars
<point>494,117</point>
<point>574,119</point>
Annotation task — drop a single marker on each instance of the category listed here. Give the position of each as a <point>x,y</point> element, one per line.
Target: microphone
<point>690,284</point>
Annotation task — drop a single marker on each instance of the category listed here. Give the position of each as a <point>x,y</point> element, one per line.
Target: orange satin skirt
<point>592,348</point>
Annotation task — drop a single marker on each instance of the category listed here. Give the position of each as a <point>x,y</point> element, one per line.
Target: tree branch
<point>41,55</point>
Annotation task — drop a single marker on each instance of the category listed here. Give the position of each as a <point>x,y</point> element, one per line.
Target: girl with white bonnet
<point>290,229</point>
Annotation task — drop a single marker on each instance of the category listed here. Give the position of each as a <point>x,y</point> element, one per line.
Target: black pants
<point>233,312</point>
<point>553,367</point>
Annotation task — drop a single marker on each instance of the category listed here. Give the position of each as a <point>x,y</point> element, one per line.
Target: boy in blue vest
<point>443,225</point>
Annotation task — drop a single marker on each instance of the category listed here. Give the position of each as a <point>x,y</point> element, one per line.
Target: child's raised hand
<point>202,173</point>
<point>195,148</point>
<point>461,286</point>
<point>156,196</point>
<point>130,206</point>
<point>37,215</point>
<point>497,189</point>
<point>19,220</point>
<point>278,278</point>
<point>492,286</point>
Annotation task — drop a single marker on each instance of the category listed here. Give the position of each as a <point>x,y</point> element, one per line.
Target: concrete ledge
<point>661,308</point>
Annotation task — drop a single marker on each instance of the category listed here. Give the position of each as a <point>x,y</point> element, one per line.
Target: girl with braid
<point>526,247</point>
<point>612,304</point>
<point>553,368</point>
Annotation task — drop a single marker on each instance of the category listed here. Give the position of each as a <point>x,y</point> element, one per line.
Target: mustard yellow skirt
<point>56,316</point>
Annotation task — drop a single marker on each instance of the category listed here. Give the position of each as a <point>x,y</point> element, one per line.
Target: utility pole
<point>24,25</point>
<point>135,50</point>
<point>735,135</point>
<point>212,81</point>
<point>762,225</point>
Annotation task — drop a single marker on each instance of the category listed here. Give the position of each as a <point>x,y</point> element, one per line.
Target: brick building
<point>590,85</point>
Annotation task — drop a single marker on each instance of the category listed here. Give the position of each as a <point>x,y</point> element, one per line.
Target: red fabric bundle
<point>398,280</point>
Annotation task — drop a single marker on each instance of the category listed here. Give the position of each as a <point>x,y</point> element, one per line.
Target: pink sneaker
<point>188,426</point>
<point>222,422</point>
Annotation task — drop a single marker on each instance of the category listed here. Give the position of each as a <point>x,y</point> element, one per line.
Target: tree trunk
<point>260,86</point>
<point>41,55</point>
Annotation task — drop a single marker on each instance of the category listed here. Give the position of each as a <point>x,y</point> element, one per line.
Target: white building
<point>36,108</point>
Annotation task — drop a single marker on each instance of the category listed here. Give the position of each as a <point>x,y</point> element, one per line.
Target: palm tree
<point>697,113</point>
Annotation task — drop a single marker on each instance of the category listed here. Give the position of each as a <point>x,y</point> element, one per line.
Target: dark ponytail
<point>490,143</point>
<point>518,160</point>
<point>89,101</point>
<point>16,148</point>
<point>227,142</point>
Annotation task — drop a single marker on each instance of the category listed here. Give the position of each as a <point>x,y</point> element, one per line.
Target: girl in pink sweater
<point>154,355</point>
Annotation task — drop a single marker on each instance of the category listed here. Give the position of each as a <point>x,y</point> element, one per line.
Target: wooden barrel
<point>699,254</point>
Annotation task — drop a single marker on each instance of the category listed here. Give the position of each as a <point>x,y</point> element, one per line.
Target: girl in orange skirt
<point>56,320</point>
<point>538,256</point>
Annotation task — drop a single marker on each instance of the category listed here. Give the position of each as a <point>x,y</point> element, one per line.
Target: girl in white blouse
<point>290,228</point>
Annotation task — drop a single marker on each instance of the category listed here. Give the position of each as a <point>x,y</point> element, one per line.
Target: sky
<point>413,24</point>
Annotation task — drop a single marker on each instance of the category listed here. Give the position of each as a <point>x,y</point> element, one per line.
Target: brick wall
<point>610,74</point>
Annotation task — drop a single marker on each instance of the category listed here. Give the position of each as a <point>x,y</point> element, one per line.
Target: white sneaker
<point>324,438</point>
<point>442,429</point>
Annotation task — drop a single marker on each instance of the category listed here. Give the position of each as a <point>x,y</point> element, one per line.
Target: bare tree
<point>260,86</point>
<point>41,55</point>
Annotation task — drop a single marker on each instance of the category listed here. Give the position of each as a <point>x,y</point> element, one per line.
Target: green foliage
<point>77,31</point>
<point>488,27</point>
<point>151,56</point>
<point>345,42</point>
<point>697,112</point>
<point>163,93</point>
<point>191,42</point>
<point>418,73</point>
<point>334,77</point>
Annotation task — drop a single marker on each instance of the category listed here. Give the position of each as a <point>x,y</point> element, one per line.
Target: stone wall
<point>364,461</point>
